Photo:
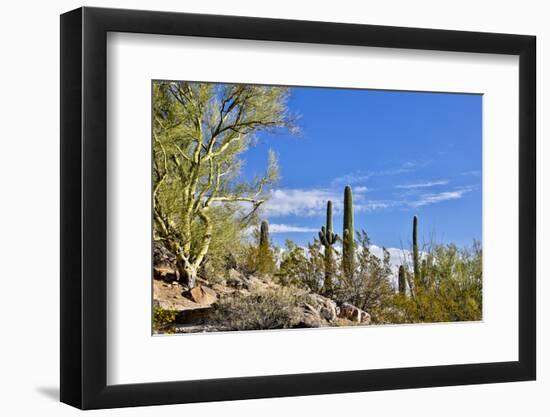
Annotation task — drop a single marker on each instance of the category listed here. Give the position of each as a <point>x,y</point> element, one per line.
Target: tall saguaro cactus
<point>416,260</point>
<point>327,239</point>
<point>264,235</point>
<point>348,244</point>
<point>265,257</point>
<point>401,283</point>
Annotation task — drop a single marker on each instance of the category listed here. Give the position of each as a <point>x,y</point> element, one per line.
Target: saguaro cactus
<point>416,260</point>
<point>264,235</point>
<point>265,257</point>
<point>401,283</point>
<point>327,239</point>
<point>348,244</point>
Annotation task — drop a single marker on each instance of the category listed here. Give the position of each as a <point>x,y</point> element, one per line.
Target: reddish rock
<point>203,295</point>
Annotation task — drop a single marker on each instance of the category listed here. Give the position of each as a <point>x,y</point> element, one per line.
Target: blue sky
<point>403,153</point>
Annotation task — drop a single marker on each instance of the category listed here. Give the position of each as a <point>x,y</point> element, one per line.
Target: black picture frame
<point>84,207</point>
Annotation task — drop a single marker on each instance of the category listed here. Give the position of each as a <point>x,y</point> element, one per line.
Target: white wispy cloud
<point>298,202</point>
<point>370,205</point>
<point>432,198</point>
<point>426,184</point>
<point>313,202</point>
<point>352,178</point>
<point>288,228</point>
<point>362,176</point>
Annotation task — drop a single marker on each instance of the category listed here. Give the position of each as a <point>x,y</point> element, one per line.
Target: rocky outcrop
<point>327,308</point>
<point>235,279</point>
<point>311,317</point>
<point>170,297</point>
<point>238,281</point>
<point>164,263</point>
<point>319,311</point>
<point>197,307</point>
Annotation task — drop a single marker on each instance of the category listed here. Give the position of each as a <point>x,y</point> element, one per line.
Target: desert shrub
<point>451,288</point>
<point>370,287</point>
<point>163,318</point>
<point>265,261</point>
<point>302,267</point>
<point>253,257</point>
<point>276,308</point>
<point>247,258</point>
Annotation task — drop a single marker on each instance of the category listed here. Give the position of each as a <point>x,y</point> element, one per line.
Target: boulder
<point>309,309</point>
<point>170,297</point>
<point>203,295</point>
<point>350,312</point>
<point>326,307</point>
<point>235,279</point>
<point>310,318</point>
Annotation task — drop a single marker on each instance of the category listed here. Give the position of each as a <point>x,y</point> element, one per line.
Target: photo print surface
<point>281,207</point>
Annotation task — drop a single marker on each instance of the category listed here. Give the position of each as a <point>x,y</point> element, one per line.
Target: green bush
<point>303,268</point>
<point>369,287</point>
<point>452,289</point>
<point>162,318</point>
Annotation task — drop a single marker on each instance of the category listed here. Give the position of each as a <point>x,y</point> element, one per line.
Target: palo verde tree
<point>199,132</point>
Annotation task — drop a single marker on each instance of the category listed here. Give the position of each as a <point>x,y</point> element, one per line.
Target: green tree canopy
<point>199,132</point>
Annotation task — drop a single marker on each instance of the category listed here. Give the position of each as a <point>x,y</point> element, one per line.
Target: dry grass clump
<point>269,308</point>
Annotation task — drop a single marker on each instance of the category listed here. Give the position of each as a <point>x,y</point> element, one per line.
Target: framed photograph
<point>259,208</point>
